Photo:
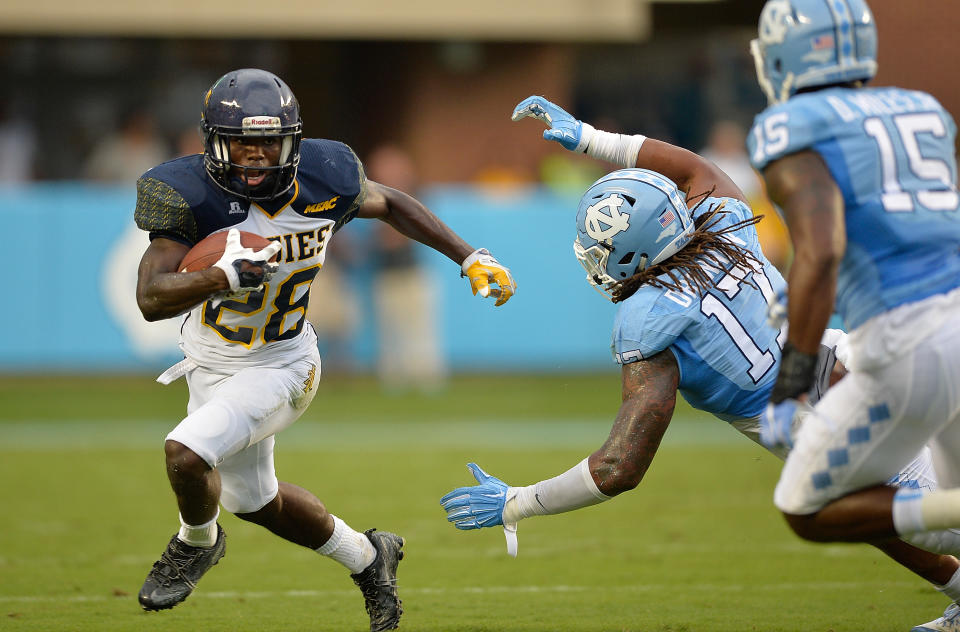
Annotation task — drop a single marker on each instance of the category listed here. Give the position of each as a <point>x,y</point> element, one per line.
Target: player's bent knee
<point>182,459</point>
<point>807,527</point>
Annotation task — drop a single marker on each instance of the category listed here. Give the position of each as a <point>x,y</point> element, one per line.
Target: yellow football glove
<point>483,269</point>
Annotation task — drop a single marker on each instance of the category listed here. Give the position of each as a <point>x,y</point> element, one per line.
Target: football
<point>208,250</point>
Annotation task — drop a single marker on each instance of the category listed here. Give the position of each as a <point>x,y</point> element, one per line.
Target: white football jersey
<point>177,200</point>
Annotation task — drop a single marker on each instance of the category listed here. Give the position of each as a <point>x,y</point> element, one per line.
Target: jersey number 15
<point>908,127</point>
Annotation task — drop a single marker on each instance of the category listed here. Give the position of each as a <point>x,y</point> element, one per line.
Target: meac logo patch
<point>320,207</point>
<point>603,220</point>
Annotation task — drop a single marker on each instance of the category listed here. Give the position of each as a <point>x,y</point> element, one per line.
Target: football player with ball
<point>251,360</point>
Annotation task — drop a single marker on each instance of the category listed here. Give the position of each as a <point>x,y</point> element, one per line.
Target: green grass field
<point>697,547</point>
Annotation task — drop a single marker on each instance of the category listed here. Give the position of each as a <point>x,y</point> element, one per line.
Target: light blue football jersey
<point>891,152</point>
<point>726,351</point>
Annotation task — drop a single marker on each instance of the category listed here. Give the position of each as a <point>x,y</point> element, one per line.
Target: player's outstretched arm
<point>413,219</point>
<point>649,395</point>
<point>649,392</point>
<point>690,171</point>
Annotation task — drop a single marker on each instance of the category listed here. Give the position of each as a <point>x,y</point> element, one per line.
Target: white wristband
<point>571,490</point>
<point>233,278</point>
<point>619,149</point>
<point>481,255</point>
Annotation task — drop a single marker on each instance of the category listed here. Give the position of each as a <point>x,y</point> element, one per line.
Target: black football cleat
<point>378,582</point>
<point>175,575</point>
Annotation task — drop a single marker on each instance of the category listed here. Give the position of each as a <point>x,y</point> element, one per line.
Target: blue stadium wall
<point>70,280</point>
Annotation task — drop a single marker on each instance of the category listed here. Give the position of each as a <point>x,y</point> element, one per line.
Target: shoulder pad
<point>333,178</point>
<point>790,127</point>
<point>648,322</point>
<point>162,210</point>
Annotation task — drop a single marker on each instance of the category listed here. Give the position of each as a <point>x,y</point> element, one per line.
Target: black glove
<point>255,277</point>
<point>797,374</point>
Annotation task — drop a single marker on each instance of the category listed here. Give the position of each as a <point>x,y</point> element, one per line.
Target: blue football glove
<point>564,128</point>
<point>481,505</point>
<point>777,421</point>
<point>478,506</point>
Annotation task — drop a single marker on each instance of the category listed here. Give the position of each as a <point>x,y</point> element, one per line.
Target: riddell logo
<point>261,122</point>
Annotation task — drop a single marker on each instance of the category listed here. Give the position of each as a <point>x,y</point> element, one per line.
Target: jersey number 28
<point>284,305</point>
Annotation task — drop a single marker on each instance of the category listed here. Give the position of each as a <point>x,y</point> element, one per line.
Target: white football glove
<point>234,254</point>
<point>483,269</point>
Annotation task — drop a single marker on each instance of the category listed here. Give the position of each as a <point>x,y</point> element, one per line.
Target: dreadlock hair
<point>690,266</point>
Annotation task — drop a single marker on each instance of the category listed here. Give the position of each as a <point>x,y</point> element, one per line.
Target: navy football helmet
<point>244,103</point>
<point>628,220</point>
<point>810,43</point>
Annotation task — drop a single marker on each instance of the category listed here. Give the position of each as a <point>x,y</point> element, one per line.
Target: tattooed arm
<point>649,395</point>
<point>691,172</point>
<point>649,391</point>
<point>813,208</point>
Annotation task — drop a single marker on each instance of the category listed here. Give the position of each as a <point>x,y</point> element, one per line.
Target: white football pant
<point>902,392</point>
<point>231,421</point>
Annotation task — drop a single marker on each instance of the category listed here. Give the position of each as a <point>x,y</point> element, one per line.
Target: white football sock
<point>915,510</point>
<point>571,490</point>
<point>952,588</point>
<point>350,548</point>
<point>204,535</point>
<point>945,542</point>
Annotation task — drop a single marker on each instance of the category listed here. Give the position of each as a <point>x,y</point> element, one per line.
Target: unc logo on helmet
<point>628,220</point>
<point>809,43</point>
<point>773,21</point>
<point>613,219</point>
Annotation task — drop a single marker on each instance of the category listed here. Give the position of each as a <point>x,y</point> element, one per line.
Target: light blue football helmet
<point>808,43</point>
<point>628,220</point>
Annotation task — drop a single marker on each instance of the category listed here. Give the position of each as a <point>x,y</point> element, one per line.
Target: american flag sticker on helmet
<point>821,42</point>
<point>666,218</point>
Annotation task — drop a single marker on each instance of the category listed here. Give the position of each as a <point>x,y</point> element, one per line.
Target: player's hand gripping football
<point>250,277</point>
<point>573,134</point>
<point>481,505</point>
<point>483,269</point>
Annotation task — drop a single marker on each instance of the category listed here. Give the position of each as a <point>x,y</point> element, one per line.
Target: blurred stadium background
<point>94,93</point>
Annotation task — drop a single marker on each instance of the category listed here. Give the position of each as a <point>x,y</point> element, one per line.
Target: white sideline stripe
<point>491,590</point>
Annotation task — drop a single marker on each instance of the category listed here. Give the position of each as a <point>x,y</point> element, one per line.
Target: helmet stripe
<point>843,30</point>
<point>658,182</point>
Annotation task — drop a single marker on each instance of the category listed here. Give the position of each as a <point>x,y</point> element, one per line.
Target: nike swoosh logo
<point>537,496</point>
